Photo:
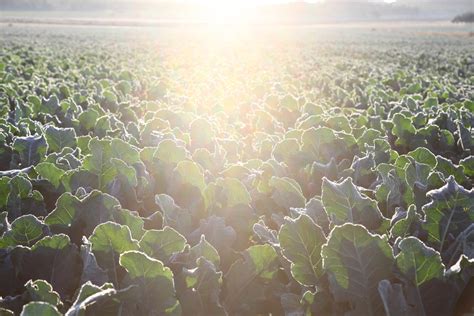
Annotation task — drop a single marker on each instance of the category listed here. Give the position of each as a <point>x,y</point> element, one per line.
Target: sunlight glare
<point>227,11</point>
<point>236,12</point>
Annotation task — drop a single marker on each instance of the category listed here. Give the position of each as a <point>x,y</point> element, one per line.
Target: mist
<point>291,12</point>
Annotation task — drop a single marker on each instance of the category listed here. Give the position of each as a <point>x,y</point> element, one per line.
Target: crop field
<point>293,171</point>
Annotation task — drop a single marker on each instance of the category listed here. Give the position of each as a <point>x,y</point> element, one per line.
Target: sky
<point>250,3</point>
<point>223,11</point>
<point>231,4</point>
<point>263,2</point>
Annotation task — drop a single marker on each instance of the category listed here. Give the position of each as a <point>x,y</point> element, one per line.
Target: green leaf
<point>201,290</point>
<point>468,166</point>
<point>234,191</point>
<point>324,143</point>
<point>206,250</point>
<point>124,151</point>
<point>83,143</point>
<point>286,193</point>
<point>356,262</point>
<point>22,199</point>
<point>102,126</point>
<point>130,219</point>
<point>108,241</point>
<point>98,162</point>
<point>403,129</point>
<point>450,212</point>
<point>462,246</point>
<point>286,149</point>
<point>39,309</point>
<point>246,279</point>
<point>95,300</point>
<point>58,241</point>
<point>424,155</point>
<point>266,234</point>
<point>418,262</point>
<point>40,290</point>
<point>4,192</point>
<point>65,210</point>
<point>79,178</point>
<point>368,138</point>
<point>91,272</point>
<point>22,185</point>
<point>161,244</point>
<point>155,293</point>
<point>25,230</point>
<point>219,234</point>
<point>127,172</point>
<point>363,169</point>
<point>190,173</point>
<point>405,226</point>
<point>301,241</point>
<point>170,152</point>
<point>88,119</point>
<point>345,203</point>
<point>383,152</point>
<point>50,172</point>
<point>424,279</point>
<point>431,102</point>
<point>173,215</point>
<point>50,105</point>
<point>112,237</point>
<point>139,265</point>
<point>35,102</point>
<point>79,217</point>
<point>87,289</point>
<point>53,259</point>
<point>447,168</point>
<point>466,139</point>
<point>4,225</point>
<point>289,102</point>
<point>31,149</point>
<point>339,123</point>
<point>59,138</point>
<point>206,160</point>
<point>420,179</point>
<point>393,190</point>
<point>202,132</point>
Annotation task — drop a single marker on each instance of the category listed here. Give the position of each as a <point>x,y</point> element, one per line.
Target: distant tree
<point>467,17</point>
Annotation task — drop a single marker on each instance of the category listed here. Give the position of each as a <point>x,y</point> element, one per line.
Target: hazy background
<point>266,11</point>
